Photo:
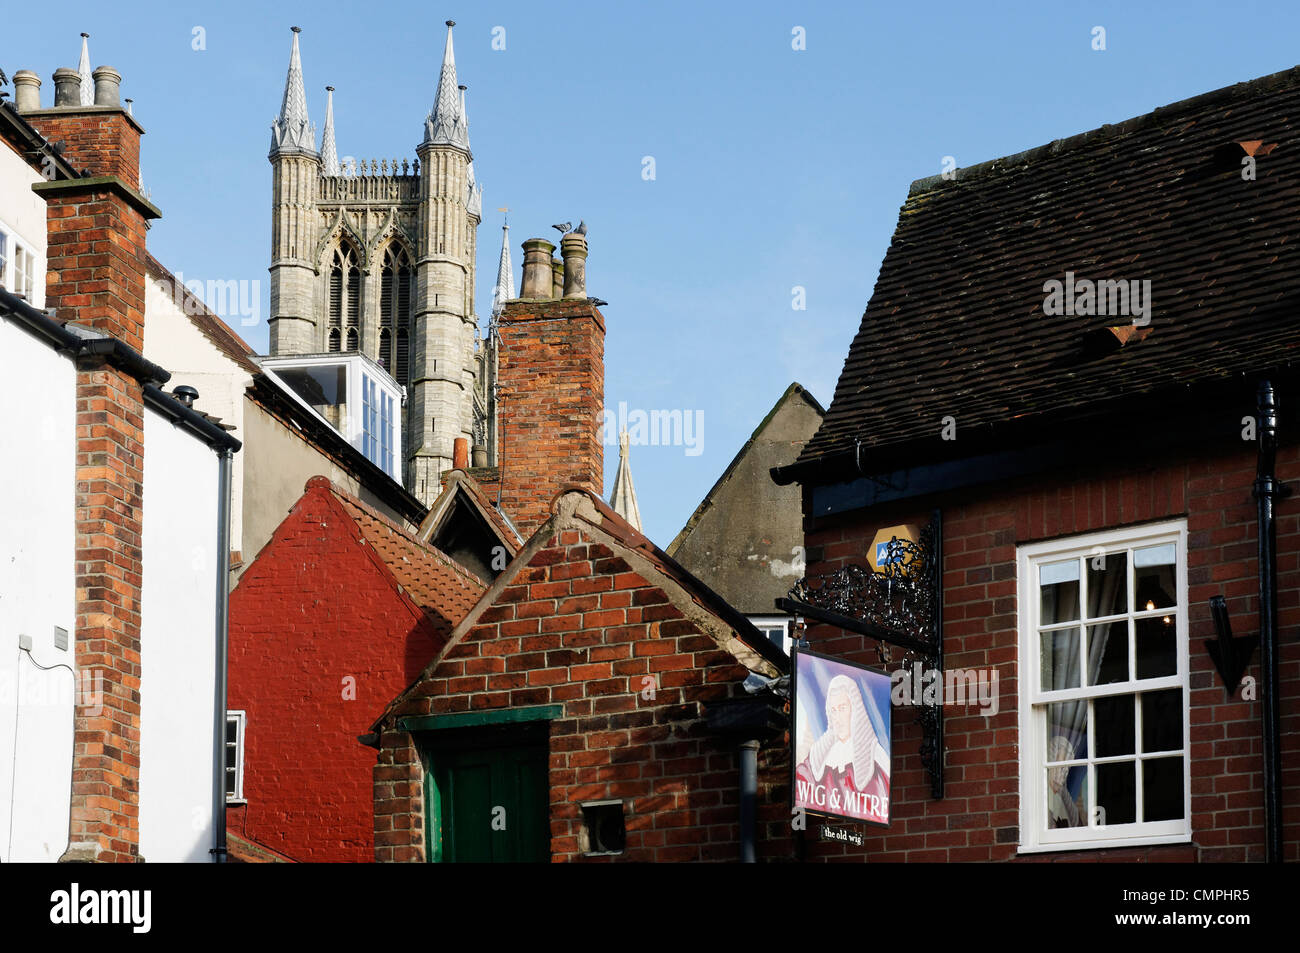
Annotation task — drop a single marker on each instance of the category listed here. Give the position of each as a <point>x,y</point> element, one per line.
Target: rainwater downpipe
<point>1267,491</point>
<point>224,458</point>
<point>748,799</point>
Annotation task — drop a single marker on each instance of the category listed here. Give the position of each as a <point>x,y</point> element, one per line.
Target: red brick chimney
<point>551,377</point>
<point>95,276</point>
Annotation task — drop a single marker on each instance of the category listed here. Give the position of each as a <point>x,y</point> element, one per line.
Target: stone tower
<point>378,257</point>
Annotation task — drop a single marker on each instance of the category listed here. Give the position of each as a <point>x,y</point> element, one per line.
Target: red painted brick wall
<point>552,390</point>
<point>979,817</point>
<point>313,609</point>
<point>577,627</point>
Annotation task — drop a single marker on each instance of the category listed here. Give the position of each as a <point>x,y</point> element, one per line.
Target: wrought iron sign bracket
<point>900,604</point>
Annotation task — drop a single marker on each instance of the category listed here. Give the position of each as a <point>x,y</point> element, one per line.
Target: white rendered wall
<point>37,593</point>
<point>173,341</point>
<point>23,210</point>
<point>177,643</point>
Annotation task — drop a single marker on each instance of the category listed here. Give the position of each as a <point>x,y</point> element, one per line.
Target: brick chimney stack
<point>551,381</point>
<point>95,277</point>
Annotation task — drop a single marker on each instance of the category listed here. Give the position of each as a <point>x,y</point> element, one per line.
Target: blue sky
<point>775,168</point>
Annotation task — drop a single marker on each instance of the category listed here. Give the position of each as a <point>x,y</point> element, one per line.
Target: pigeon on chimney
<point>563,229</point>
<point>4,80</point>
<point>581,229</point>
<point>598,302</point>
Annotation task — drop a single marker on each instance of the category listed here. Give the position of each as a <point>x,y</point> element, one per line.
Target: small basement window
<point>603,832</point>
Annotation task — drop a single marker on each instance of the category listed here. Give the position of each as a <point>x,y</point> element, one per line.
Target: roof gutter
<point>203,428</point>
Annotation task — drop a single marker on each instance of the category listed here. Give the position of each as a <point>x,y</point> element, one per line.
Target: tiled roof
<point>445,591</point>
<point>957,326</point>
<point>213,328</point>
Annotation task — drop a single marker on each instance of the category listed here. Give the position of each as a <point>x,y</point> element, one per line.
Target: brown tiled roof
<point>438,585</point>
<point>956,324</point>
<point>213,328</point>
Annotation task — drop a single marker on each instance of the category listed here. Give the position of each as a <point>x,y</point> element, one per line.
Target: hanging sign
<point>840,763</point>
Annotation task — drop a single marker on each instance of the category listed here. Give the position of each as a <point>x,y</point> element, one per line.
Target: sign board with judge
<point>841,735</point>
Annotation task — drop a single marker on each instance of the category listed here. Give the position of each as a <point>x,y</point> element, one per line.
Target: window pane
<point>1059,588</point>
<point>1067,731</point>
<point>1067,796</point>
<point>1162,789</point>
<point>1157,647</point>
<point>1116,793</point>
<point>1113,726</point>
<point>230,783</point>
<point>1107,584</point>
<point>1162,720</point>
<point>232,732</point>
<point>1108,653</point>
<point>1059,659</point>
<point>1153,578</point>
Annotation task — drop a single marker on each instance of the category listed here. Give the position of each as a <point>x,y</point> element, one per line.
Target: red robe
<point>837,792</point>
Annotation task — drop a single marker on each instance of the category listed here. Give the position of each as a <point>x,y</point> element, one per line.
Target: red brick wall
<point>979,817</point>
<point>106,755</point>
<point>96,259</point>
<point>312,610</point>
<point>577,627</point>
<point>552,390</point>
<point>104,141</point>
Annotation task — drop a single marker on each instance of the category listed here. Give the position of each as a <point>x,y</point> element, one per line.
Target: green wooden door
<point>487,804</point>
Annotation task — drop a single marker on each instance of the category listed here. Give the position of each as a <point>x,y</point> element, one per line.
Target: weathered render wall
<point>746,539</point>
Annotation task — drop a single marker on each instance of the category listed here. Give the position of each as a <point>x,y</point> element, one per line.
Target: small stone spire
<point>623,497</point>
<point>292,132</point>
<point>83,70</point>
<point>329,156</point>
<point>445,125</point>
<point>505,288</point>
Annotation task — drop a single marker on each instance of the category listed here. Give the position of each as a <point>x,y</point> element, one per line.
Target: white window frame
<point>762,622</point>
<point>1033,701</point>
<point>21,257</point>
<point>240,719</point>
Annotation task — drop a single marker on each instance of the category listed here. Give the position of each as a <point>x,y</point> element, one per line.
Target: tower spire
<point>83,70</point>
<point>445,125</point>
<point>329,157</point>
<point>623,497</point>
<point>292,131</point>
<point>505,288</point>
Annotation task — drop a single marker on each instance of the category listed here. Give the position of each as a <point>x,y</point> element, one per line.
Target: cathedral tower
<point>295,167</point>
<point>378,257</point>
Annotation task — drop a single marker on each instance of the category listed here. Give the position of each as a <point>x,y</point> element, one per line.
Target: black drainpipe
<point>1267,491</point>
<point>748,799</point>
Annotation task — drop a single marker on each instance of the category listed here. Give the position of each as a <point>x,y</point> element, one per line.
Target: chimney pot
<point>108,86</point>
<point>557,278</point>
<point>67,87</point>
<point>480,455</point>
<point>460,454</point>
<point>538,280</point>
<point>27,91</point>
<point>574,249</point>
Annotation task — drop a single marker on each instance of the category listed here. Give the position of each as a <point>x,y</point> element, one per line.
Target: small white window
<point>24,264</point>
<point>235,724</point>
<point>1104,751</point>
<point>776,628</point>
